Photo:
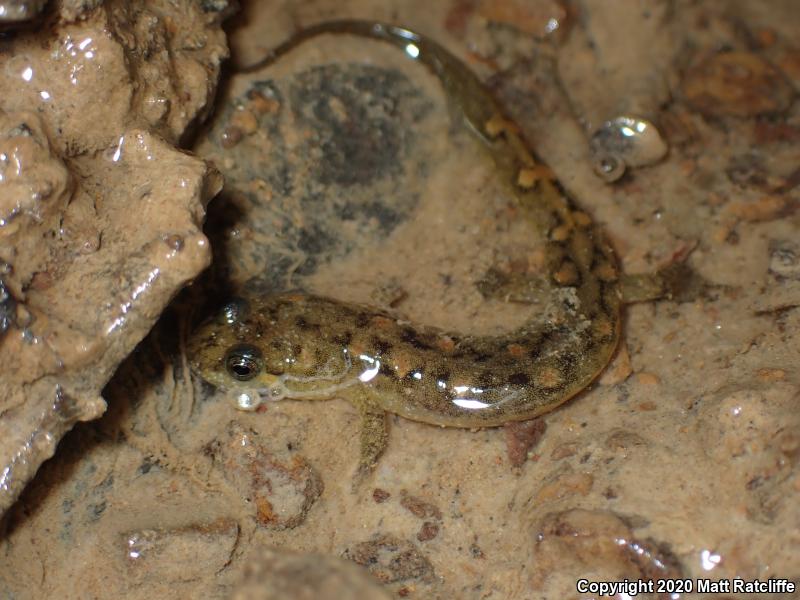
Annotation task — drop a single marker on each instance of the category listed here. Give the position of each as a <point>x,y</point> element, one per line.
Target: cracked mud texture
<point>681,461</point>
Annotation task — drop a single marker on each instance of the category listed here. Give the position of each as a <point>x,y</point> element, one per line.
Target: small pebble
<point>380,496</point>
<point>521,437</point>
<point>428,531</point>
<point>737,84</point>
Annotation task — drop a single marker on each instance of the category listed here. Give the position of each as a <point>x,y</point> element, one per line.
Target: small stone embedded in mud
<point>428,531</point>
<point>380,495</point>
<point>769,375</point>
<point>280,486</point>
<point>621,440</point>
<point>476,552</point>
<point>224,7</point>
<point>521,437</point>
<point>277,574</point>
<point>578,541</point>
<point>261,102</point>
<point>564,484</point>
<point>539,19</point>
<point>8,308</point>
<point>738,84</point>
<point>784,259</point>
<point>161,554</point>
<point>231,136</point>
<point>766,132</point>
<point>419,508</point>
<point>174,241</point>
<point>564,450</point>
<point>765,208</point>
<point>391,559</point>
<point>756,429</point>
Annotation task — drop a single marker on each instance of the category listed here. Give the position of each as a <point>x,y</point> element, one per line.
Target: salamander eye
<point>243,362</point>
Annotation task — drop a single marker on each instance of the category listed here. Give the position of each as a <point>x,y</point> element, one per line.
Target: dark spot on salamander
<point>306,325</point>
<point>381,346</point>
<point>408,335</point>
<point>386,370</point>
<point>589,343</point>
<point>443,375</point>
<point>343,339</point>
<point>536,349</point>
<point>362,320</point>
<point>519,379</point>
<point>320,356</point>
<point>486,379</point>
<point>570,304</point>
<point>273,313</point>
<point>567,363</point>
<point>473,356</point>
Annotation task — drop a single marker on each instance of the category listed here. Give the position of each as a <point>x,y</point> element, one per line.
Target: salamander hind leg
<point>677,281</point>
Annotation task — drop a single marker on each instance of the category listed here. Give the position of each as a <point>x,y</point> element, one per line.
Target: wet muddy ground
<point>347,175</point>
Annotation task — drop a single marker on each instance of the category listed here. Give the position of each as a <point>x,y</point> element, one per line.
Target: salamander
<point>301,346</point>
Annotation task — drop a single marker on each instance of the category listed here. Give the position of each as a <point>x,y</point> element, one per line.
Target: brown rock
<point>564,450</point>
<point>419,508</point>
<point>391,559</point>
<point>621,440</point>
<point>766,208</point>
<point>538,19</point>
<point>565,485</point>
<point>380,495</point>
<point>275,574</point>
<point>280,485</point>
<point>84,210</point>
<point>160,554</point>
<point>580,541</point>
<point>521,437</point>
<point>737,84</point>
<point>428,531</point>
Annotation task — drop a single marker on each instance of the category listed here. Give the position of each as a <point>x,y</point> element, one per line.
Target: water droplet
<point>247,401</point>
<point>709,559</point>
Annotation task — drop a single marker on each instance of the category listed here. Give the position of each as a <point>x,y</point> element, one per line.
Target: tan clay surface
<point>100,215</point>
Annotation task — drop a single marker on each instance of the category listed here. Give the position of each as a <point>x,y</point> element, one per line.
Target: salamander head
<point>235,352</point>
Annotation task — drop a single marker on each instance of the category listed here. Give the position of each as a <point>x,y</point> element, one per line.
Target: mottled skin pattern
<point>311,347</point>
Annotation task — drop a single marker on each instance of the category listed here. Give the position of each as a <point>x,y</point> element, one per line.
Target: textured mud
<point>681,462</point>
<point>91,108</point>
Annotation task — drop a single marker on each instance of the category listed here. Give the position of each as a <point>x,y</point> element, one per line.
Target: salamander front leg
<point>373,435</point>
